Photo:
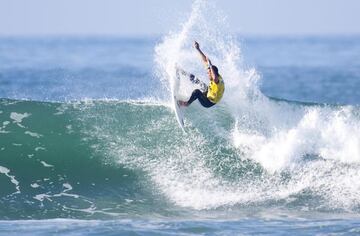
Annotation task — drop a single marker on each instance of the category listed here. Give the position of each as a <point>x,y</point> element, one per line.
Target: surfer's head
<point>215,69</point>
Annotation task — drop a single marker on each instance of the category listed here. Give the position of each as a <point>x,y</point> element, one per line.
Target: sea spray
<point>274,124</point>
<point>281,136</point>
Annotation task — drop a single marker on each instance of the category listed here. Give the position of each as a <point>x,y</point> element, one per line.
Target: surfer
<point>214,91</point>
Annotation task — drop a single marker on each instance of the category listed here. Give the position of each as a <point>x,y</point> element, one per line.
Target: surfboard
<point>178,110</point>
<point>182,74</point>
<point>179,113</point>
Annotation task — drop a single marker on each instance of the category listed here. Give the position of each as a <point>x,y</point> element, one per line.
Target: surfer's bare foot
<point>182,103</point>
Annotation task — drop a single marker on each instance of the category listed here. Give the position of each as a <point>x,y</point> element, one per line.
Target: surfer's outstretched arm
<point>203,56</point>
<point>212,75</point>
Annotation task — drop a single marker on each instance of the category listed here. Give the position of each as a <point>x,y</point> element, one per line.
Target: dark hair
<point>215,69</point>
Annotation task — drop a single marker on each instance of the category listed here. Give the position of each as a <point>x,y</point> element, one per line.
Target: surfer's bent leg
<point>197,94</point>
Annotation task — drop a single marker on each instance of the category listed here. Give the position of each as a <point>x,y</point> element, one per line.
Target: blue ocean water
<point>312,69</point>
<point>89,144</point>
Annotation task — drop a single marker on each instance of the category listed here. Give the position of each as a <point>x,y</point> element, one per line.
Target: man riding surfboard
<point>216,87</point>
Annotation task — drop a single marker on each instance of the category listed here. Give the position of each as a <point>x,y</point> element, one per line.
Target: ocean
<point>89,143</point>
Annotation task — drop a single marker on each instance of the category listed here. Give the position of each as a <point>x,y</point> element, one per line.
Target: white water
<point>280,136</point>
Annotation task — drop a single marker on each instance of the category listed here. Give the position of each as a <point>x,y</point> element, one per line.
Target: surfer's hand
<point>196,45</point>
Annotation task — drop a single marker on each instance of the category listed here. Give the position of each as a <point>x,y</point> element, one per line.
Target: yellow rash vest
<point>216,90</point>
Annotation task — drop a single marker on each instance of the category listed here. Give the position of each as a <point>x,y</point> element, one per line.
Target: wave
<point>104,159</point>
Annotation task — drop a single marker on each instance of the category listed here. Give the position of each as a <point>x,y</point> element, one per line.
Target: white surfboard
<point>178,110</point>
<point>179,113</point>
<point>179,75</point>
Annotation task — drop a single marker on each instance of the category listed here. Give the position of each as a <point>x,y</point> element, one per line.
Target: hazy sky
<point>154,17</point>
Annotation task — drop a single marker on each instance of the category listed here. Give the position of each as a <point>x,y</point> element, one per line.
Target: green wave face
<point>50,167</point>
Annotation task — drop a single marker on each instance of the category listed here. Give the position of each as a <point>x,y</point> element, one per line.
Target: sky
<point>157,17</point>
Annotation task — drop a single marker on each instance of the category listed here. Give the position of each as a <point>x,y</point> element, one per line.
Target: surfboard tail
<point>193,79</point>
